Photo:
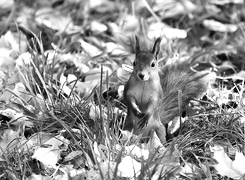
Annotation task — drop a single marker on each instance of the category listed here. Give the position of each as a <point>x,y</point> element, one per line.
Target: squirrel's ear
<point>156,47</point>
<point>137,45</point>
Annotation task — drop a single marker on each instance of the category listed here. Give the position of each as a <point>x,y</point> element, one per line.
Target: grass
<point>92,122</point>
<point>56,111</point>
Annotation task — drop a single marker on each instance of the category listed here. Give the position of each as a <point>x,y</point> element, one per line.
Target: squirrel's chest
<point>143,92</point>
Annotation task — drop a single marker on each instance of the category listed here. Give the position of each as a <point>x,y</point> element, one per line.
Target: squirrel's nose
<point>141,76</point>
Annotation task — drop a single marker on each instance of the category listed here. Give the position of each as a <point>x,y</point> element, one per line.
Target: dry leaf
<point>115,49</point>
<point>55,20</point>
<point>136,151</point>
<point>162,30</point>
<point>9,140</point>
<point>48,156</point>
<point>130,24</point>
<point>98,27</point>
<point>72,155</point>
<point>218,26</point>
<point>90,175</point>
<point>38,177</point>
<point>57,141</point>
<point>226,167</point>
<point>90,49</point>
<point>17,118</point>
<point>129,167</point>
<point>6,4</point>
<point>172,8</point>
<point>224,2</point>
<point>24,59</point>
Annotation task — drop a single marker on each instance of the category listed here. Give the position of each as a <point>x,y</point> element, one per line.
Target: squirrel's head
<point>146,62</point>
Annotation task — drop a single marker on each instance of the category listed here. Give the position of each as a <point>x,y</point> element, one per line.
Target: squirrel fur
<point>151,93</point>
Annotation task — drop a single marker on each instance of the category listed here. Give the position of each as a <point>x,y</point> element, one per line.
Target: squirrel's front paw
<point>144,121</point>
<point>138,114</point>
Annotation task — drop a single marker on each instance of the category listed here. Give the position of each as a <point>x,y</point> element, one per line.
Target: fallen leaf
<point>90,175</point>
<point>226,167</point>
<point>72,155</point>
<point>98,27</point>
<point>6,4</point>
<point>224,2</point>
<point>57,141</point>
<point>55,20</point>
<point>162,30</point>
<point>172,8</point>
<point>90,49</point>
<point>129,167</point>
<point>218,26</point>
<point>8,140</point>
<point>115,49</point>
<point>48,156</point>
<point>130,24</point>
<point>24,59</point>
<point>38,177</point>
<point>17,118</point>
<point>134,150</point>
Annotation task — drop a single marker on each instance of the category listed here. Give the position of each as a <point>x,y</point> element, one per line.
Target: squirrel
<point>151,92</point>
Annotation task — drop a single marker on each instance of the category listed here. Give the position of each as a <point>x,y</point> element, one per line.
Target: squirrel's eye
<point>134,63</point>
<point>153,64</point>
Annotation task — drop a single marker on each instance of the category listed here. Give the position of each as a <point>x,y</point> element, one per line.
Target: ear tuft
<point>137,45</point>
<point>156,47</point>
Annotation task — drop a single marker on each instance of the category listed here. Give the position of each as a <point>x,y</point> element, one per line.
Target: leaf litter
<point>63,68</point>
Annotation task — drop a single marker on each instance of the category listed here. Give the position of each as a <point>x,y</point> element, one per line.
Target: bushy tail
<point>180,76</point>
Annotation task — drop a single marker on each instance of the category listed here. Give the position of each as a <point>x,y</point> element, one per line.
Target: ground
<point>64,64</point>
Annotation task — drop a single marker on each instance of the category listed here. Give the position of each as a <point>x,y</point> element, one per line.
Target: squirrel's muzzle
<point>143,76</point>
